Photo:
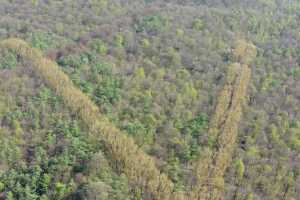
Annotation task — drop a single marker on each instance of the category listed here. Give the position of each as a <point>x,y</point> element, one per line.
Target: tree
<point>198,24</point>
<point>240,169</point>
<point>97,191</point>
<point>9,196</point>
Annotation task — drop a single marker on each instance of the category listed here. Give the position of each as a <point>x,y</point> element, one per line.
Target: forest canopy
<point>149,99</point>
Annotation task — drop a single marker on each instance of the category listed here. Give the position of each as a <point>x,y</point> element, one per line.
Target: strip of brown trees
<point>223,129</point>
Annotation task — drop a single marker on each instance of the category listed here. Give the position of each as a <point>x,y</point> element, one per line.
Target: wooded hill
<point>166,100</point>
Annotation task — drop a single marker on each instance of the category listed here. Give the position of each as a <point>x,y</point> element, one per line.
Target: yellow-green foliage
<point>124,153</point>
<point>198,24</point>
<point>179,33</point>
<point>3,106</point>
<point>119,40</point>
<point>224,126</point>
<point>145,43</point>
<point>240,169</point>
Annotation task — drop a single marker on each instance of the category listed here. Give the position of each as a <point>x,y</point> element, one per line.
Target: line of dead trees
<point>223,128</point>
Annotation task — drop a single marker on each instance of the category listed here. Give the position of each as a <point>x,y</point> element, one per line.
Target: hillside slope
<point>155,70</point>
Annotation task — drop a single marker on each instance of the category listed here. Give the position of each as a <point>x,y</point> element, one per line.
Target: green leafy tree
<point>198,24</point>
<point>9,196</point>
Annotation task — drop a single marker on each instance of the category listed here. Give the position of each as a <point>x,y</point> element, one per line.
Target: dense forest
<point>149,99</point>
